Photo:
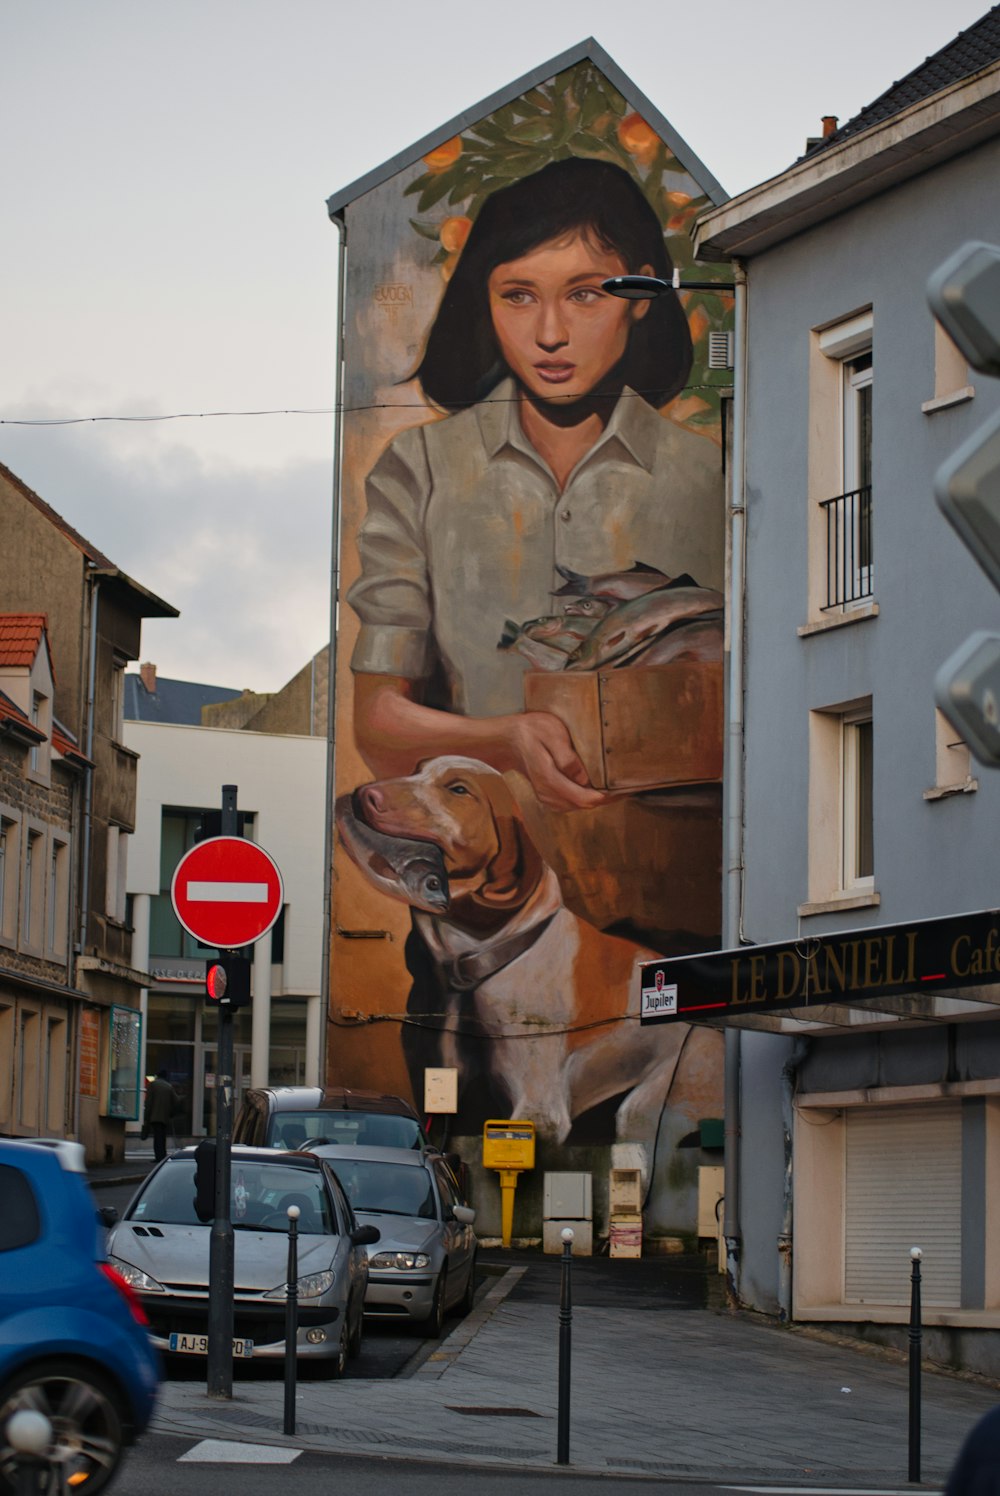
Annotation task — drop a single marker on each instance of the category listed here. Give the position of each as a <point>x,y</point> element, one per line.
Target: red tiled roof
<point>66,747</point>
<point>20,636</point>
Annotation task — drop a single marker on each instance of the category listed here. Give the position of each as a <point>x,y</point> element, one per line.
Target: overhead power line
<point>323,410</point>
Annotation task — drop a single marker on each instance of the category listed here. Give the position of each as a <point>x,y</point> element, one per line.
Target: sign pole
<point>220,1261</point>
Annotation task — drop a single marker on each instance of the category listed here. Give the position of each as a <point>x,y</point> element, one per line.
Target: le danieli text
<point>926,956</point>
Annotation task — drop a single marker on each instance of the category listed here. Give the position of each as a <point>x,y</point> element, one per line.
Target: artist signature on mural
<point>393,296</point>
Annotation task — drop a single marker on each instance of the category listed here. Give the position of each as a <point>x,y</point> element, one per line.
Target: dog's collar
<point>472,968</point>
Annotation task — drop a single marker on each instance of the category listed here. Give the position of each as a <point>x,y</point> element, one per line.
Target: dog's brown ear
<point>513,874</point>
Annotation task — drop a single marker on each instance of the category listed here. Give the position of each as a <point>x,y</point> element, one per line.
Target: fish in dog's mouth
<point>400,866</point>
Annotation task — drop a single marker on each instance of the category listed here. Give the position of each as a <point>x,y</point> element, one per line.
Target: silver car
<point>425,1262</point>
<point>162,1249</point>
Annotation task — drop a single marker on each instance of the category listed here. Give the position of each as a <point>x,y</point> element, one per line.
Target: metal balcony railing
<point>848,547</point>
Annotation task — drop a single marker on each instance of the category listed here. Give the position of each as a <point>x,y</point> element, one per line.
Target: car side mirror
<point>108,1215</point>
<point>365,1236</point>
<point>463,1214</point>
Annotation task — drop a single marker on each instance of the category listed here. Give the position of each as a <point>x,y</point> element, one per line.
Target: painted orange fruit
<point>453,233</point>
<point>443,156</point>
<point>638,138</point>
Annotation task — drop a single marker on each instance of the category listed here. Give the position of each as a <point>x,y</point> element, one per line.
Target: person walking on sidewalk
<point>162,1105</point>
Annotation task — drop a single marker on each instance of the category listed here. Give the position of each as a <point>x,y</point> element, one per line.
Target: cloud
<point>243,552</point>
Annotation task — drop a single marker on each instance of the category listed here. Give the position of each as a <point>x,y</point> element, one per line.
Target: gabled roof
<point>13,720</point>
<point>141,600</point>
<point>585,51</point>
<point>65,745</point>
<point>872,153</point>
<point>21,635</point>
<point>975,48</point>
<point>176,701</point>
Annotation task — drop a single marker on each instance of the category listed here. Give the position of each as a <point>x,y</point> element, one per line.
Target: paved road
<point>661,1388</point>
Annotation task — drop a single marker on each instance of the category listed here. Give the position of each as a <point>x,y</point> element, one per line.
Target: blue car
<point>73,1342</point>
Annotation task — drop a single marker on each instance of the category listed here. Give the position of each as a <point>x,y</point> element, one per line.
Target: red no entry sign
<point>227,892</point>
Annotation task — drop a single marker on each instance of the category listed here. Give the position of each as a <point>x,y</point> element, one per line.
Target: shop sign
<point>845,966</point>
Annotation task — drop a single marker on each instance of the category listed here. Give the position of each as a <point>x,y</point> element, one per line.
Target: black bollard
<point>291,1317</point>
<point>565,1337</point>
<point>916,1336</point>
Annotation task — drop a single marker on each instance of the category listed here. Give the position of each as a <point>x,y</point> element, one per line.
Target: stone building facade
<point>69,1016</point>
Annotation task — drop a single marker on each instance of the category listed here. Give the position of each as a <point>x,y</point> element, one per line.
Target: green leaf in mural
<point>425,230</point>
<point>521,164</point>
<point>529,131</point>
<point>506,116</point>
<point>486,130</point>
<point>466,183</point>
<point>617,101</point>
<point>593,106</point>
<point>437,188</point>
<point>536,96</point>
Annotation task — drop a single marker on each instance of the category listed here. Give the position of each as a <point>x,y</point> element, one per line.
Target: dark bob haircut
<point>462,361</point>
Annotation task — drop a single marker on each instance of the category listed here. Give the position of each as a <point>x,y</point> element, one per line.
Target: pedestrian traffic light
<point>964,294</point>
<point>227,981</point>
<point>204,1180</point>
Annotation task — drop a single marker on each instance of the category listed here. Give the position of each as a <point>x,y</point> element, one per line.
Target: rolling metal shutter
<point>903,1189</point>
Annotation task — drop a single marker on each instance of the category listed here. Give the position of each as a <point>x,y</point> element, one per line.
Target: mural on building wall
<point>529,703</point>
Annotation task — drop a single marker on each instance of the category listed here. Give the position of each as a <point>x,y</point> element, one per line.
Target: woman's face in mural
<point>559,333</point>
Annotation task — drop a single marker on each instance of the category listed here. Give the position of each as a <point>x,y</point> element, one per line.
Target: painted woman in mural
<point>554,462</point>
<point>556,456</point>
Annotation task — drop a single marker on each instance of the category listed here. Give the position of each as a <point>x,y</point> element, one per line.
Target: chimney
<point>829,125</point>
<point>147,674</point>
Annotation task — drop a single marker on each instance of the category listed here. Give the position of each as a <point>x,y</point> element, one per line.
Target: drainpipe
<point>788,1073</point>
<point>732,849</point>
<point>88,794</point>
<point>331,690</point>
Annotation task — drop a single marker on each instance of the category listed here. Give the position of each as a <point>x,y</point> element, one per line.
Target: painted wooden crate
<point>638,728</point>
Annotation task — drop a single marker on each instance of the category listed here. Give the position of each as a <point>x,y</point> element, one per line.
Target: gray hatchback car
<point>424,1264</point>
<point>161,1249</point>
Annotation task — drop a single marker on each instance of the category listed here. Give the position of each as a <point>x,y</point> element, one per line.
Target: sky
<point>166,247</point>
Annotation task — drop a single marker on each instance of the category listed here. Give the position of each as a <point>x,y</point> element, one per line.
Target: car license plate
<point>197,1345</point>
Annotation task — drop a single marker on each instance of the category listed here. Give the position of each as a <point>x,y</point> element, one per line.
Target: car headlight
<point>405,1261</point>
<point>310,1287</point>
<point>135,1277</point>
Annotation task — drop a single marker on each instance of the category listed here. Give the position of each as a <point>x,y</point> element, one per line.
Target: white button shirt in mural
<point>466,526</point>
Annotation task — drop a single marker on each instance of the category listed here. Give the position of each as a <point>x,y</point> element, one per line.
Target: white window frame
<point>834,880</point>
<point>831,574</point>
<point>852,879</point>
<point>57,902</point>
<point>10,874</point>
<point>116,874</point>
<point>33,887</point>
<point>40,758</point>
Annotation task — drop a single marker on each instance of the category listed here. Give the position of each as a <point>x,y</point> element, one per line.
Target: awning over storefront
<point>935,970</point>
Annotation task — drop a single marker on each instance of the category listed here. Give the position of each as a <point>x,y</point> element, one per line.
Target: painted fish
<point>587,607</point>
<point>617,586</point>
<point>406,869</point>
<point>546,643</point>
<point>700,639</point>
<point>631,627</point>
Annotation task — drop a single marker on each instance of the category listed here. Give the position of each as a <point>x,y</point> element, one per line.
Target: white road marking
<point>789,1490</point>
<point>226,893</point>
<point>228,1452</point>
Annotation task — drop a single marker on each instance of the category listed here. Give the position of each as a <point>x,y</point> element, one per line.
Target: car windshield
<point>372,1129</point>
<point>387,1188</point>
<point>260,1195</point>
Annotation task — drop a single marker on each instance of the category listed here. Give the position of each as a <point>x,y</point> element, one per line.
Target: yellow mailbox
<point>508,1147</point>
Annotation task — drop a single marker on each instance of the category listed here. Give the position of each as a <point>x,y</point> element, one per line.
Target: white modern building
<point>280,781</point>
